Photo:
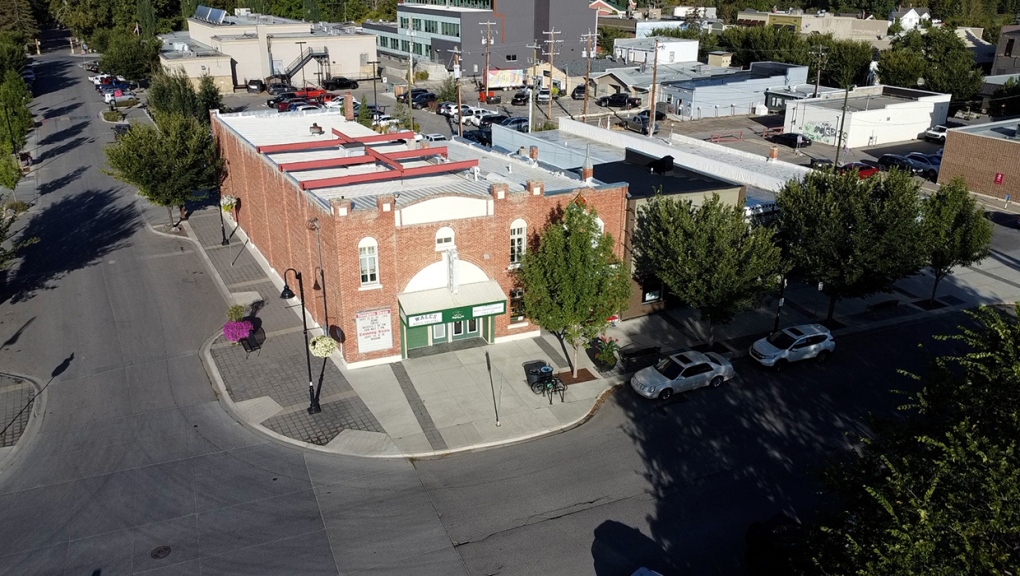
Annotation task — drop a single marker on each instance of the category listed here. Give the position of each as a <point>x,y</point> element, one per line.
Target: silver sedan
<point>682,372</point>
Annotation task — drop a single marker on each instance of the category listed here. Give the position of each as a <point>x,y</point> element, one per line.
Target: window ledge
<point>514,266</point>
<point>517,325</point>
<point>365,287</point>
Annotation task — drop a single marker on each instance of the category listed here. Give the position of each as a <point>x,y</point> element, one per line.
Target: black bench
<point>633,356</point>
<point>251,344</point>
<point>881,306</point>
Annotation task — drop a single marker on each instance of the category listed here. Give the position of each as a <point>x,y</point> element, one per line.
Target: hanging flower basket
<point>322,346</point>
<point>227,203</point>
<point>235,331</point>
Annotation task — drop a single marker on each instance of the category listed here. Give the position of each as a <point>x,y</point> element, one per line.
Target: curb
<point>34,421</point>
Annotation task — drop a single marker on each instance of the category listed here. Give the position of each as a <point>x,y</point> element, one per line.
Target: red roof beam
<point>325,163</point>
<point>375,138</point>
<point>298,146</point>
<point>419,153</point>
<point>389,175</point>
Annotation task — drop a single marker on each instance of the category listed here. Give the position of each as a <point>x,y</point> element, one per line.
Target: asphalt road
<point>135,453</point>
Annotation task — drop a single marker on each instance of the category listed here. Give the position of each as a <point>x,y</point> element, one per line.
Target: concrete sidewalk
<point>449,402</point>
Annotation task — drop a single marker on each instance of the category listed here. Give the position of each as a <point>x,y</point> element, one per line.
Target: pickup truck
<point>310,94</point>
<point>339,83</point>
<point>936,133</point>
<point>618,100</point>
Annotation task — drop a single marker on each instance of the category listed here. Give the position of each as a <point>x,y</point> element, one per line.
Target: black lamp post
<point>779,305</point>
<point>287,294</point>
<point>223,227</point>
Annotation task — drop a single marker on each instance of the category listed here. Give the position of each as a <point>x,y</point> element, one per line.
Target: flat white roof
<point>265,128</point>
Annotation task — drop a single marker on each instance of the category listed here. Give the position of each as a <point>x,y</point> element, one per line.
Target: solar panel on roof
<point>202,13</point>
<point>216,15</point>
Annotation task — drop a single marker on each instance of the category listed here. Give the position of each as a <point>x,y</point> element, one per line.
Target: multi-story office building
<point>433,29</point>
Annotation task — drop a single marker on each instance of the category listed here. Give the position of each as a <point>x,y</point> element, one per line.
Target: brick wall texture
<point>273,211</point>
<point>977,159</point>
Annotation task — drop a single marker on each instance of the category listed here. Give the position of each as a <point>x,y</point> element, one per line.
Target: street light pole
<point>223,227</point>
<point>320,282</point>
<point>287,294</point>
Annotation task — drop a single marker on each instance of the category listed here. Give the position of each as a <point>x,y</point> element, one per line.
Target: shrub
<point>236,313</point>
<point>605,349</point>
<point>127,103</point>
<point>16,206</point>
<point>113,116</point>
<point>421,75</point>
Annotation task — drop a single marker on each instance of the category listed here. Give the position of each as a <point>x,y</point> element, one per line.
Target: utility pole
<point>456,76</point>
<point>552,41</point>
<point>531,93</point>
<point>375,76</point>
<point>488,44</point>
<point>820,52</point>
<point>587,39</point>
<point>842,123</point>
<point>651,97</point>
<point>410,75</point>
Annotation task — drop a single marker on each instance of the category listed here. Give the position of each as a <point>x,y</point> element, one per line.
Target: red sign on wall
<point>998,178</point>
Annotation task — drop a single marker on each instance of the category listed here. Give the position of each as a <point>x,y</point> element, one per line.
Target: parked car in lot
<point>385,120</point>
<point>928,163</point>
<point>422,101</point>
<point>518,123</point>
<point>483,137</point>
<point>793,345</point>
<point>118,96</point>
<point>864,171</point>
<point>520,98</point>
<point>476,115</point>
<point>792,139</point>
<point>936,133</point>
<point>414,92</point>
<point>619,100</point>
<point>276,88</point>
<point>490,119</point>
<point>820,164</point>
<point>256,86</point>
<point>446,108</point>
<point>543,95</point>
<point>641,124</point>
<point>436,138</point>
<point>339,83</point>
<point>284,105</point>
<point>680,373</point>
<point>92,66</point>
<point>578,92</point>
<point>897,162</point>
<point>659,116</point>
<point>302,107</point>
<point>119,130</point>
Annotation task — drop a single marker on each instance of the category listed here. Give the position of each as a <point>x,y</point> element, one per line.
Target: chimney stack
<point>533,153</point>
<point>348,106</point>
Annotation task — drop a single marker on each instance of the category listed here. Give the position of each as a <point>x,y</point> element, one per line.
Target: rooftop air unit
<point>242,11</point>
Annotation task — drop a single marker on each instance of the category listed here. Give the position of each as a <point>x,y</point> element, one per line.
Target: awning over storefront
<point>439,306</point>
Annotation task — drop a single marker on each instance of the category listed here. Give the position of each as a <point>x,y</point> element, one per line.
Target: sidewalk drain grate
<point>160,552</point>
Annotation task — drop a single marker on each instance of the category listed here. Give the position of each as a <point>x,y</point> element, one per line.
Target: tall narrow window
<point>518,232</point>
<point>369,259</point>
<point>444,239</point>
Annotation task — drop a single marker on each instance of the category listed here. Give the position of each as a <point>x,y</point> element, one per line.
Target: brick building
<point>418,244</point>
<point>986,156</point>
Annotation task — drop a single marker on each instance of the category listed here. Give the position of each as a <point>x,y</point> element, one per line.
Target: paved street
<point>134,466</point>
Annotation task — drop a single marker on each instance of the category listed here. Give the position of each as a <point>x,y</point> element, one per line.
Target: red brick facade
<point>273,212</point>
<point>979,160</point>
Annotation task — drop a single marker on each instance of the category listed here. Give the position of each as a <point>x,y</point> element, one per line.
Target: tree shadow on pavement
<point>61,110</point>
<point>56,184</point>
<point>64,134</point>
<point>53,76</point>
<point>64,148</point>
<point>73,233</point>
<point>620,549</point>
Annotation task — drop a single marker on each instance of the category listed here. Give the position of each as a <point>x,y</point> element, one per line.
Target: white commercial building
<point>247,46</point>
<point>874,115</point>
<point>642,50</point>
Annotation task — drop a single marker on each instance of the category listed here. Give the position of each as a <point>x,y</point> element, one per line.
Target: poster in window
<point>375,330</point>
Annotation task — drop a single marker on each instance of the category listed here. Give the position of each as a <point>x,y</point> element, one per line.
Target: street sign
<point>998,178</point>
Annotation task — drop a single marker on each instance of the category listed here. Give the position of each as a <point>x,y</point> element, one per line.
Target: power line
<point>820,51</point>
<point>531,93</point>
<point>456,76</point>
<point>551,53</point>
<point>586,39</point>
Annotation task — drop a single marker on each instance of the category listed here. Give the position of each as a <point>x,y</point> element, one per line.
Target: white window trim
<point>369,242</point>
<point>445,233</point>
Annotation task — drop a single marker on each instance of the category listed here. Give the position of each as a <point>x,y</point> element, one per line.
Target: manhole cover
<point>160,552</point>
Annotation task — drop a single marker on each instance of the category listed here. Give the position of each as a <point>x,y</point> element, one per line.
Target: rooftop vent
<point>315,129</point>
<point>352,149</point>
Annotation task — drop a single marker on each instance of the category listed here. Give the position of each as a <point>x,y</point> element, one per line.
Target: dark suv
<point>618,100</point>
<point>792,139</point>
<point>519,99</point>
<point>897,162</point>
<point>577,93</point>
<point>414,92</point>
<point>339,83</point>
<point>488,120</point>
<point>256,86</point>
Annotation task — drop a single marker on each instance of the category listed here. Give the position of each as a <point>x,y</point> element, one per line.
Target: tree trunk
<point>832,307</point>
<point>183,218</point>
<point>710,329</point>
<point>170,213</point>
<point>573,365</point>
<point>935,288</point>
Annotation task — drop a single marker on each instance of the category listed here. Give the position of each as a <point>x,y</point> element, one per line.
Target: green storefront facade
<point>439,316</point>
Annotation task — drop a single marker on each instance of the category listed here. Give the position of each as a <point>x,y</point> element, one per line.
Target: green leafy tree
<point>707,256</point>
<point>12,56</point>
<point>854,236</point>
<point>448,90</point>
<point>762,43</point>
<point>18,19</point>
<point>148,22</point>
<point>209,97</point>
<point>573,281</point>
<point>955,230</point>
<point>10,168</point>
<point>82,16</point>
<point>608,35</point>
<point>173,93</point>
<point>14,100</point>
<point>938,492</point>
<point>364,113</point>
<point>133,57</point>
<point>900,67</point>
<point>1005,101</point>
<point>846,62</point>
<point>896,27</point>
<point>169,165</point>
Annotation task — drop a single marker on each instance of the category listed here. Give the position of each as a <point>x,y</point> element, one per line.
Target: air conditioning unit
<point>242,11</point>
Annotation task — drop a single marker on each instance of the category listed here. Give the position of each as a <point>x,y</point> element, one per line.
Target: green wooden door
<point>417,337</point>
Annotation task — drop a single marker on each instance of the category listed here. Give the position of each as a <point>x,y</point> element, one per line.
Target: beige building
<point>247,46</point>
<point>841,26</point>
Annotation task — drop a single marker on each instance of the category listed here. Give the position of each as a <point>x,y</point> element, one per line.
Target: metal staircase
<point>320,55</point>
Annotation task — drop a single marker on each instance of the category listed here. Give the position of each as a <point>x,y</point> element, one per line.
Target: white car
<point>306,107</point>
<point>335,104</point>
<point>124,96</point>
<point>435,138</point>
<point>386,120</point>
<point>936,133</point>
<point>543,95</point>
<point>465,111</point>
<point>475,118</point>
<point>98,79</point>
<point>794,344</point>
<point>682,372</point>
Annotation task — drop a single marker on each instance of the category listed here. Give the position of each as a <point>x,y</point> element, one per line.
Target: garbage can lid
<point>546,369</point>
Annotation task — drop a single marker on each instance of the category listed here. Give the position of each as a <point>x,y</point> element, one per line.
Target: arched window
<point>368,252</point>
<point>444,239</point>
<point>601,225</point>
<point>518,236</point>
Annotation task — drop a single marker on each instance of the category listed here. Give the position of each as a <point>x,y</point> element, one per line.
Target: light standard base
<point>314,408</point>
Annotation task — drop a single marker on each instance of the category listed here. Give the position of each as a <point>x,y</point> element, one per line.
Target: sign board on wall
<point>375,330</point>
<point>998,178</point>
<point>425,319</point>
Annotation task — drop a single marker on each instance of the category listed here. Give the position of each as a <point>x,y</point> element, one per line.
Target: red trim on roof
<point>355,160</point>
<point>388,175</point>
<point>298,146</point>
